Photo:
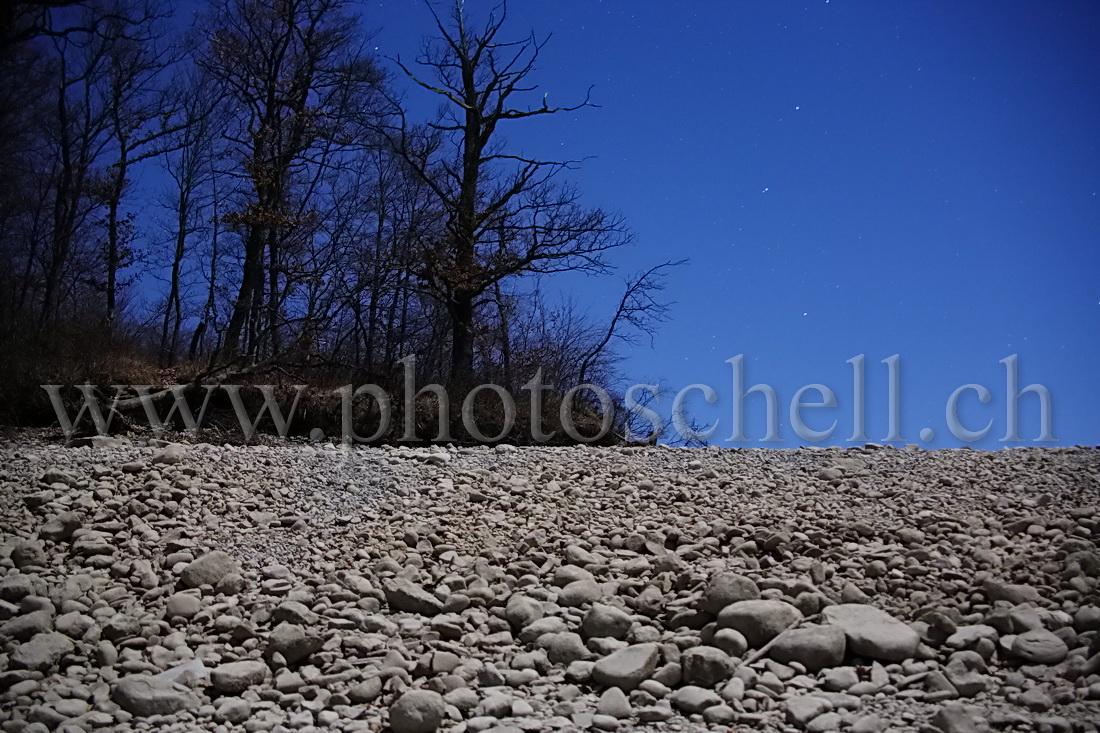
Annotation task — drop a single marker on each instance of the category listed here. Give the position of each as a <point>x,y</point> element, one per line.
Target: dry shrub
<point>78,351</point>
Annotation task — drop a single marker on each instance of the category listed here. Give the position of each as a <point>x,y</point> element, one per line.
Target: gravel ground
<point>147,585</point>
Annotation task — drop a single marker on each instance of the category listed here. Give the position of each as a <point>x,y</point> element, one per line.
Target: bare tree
<point>76,136</point>
<point>27,86</point>
<point>306,223</point>
<point>505,215</point>
<point>188,160</point>
<point>299,74</point>
<point>142,115</point>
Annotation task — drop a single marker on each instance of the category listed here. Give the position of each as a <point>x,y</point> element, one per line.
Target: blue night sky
<point>847,177</point>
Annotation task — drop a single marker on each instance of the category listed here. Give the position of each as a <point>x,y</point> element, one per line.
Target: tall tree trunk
<point>243,305</point>
<point>208,312</point>
<point>403,332</point>
<point>174,346</point>
<point>505,338</point>
<point>118,183</point>
<point>376,276</point>
<point>462,341</point>
<point>357,330</point>
<point>372,326</point>
<point>60,237</point>
<point>465,235</point>
<point>394,328</point>
<point>273,291</point>
<point>172,307</point>
<point>32,256</point>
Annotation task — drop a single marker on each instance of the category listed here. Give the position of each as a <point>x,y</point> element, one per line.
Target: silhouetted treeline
<point>244,189</point>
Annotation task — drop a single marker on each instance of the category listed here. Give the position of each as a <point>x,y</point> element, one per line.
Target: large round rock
<point>144,696</point>
<point>417,711</point>
<point>1039,646</point>
<point>705,666</point>
<point>815,646</point>
<point>873,633</point>
<point>627,668</point>
<point>233,678</point>
<point>759,621</point>
<point>605,621</point>
<point>209,569</point>
<point>726,588</point>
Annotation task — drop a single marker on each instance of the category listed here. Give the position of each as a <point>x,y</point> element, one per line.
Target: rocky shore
<point>168,586</point>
